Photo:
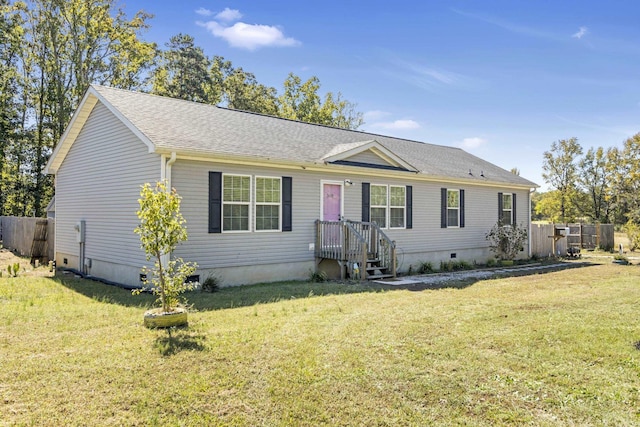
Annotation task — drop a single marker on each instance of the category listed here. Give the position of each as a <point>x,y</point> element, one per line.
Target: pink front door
<point>331,202</point>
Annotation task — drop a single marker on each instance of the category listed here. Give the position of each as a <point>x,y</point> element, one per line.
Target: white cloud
<point>428,78</point>
<point>229,15</point>
<point>405,124</point>
<point>509,26</point>
<point>471,143</point>
<point>204,12</point>
<point>246,36</point>
<point>581,33</point>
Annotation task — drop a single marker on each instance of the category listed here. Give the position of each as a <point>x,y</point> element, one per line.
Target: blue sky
<point>500,79</point>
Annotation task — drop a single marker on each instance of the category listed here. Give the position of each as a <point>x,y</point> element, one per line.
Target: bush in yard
<point>211,283</point>
<point>633,233</point>
<point>318,276</point>
<point>161,229</point>
<point>506,240</point>
<point>425,267</point>
<point>13,269</point>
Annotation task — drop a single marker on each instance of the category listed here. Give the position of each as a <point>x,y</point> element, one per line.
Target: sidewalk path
<point>436,279</point>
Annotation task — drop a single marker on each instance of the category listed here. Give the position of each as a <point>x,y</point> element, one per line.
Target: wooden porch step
<point>374,268</point>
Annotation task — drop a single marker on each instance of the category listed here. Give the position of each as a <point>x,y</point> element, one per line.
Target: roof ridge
<point>234,110</point>
<point>140,92</point>
<point>336,128</point>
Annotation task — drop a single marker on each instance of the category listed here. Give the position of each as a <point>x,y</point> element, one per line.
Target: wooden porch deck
<point>362,249</point>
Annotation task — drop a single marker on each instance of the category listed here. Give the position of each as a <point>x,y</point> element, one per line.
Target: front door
<point>331,211</point>
<point>331,202</point>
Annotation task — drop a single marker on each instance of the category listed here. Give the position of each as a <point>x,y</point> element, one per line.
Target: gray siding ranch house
<point>268,199</point>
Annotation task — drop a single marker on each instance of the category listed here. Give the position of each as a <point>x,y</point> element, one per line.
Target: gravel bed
<point>460,276</point>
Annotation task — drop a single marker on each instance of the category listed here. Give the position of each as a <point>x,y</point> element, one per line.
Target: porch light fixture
<point>348,183</point>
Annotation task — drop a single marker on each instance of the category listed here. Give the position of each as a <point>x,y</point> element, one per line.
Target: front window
<point>453,208</point>
<point>507,209</point>
<point>397,203</point>
<point>388,205</point>
<point>267,204</point>
<point>379,205</point>
<point>236,202</point>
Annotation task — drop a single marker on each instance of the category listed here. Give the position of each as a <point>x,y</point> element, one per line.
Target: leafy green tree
<point>65,45</point>
<point>560,170</point>
<point>615,198</point>
<point>595,181</point>
<point>547,206</point>
<point>183,72</point>
<point>626,177</point>
<point>220,69</point>
<point>161,229</point>
<point>243,92</point>
<point>301,101</point>
<point>10,38</point>
<point>632,230</point>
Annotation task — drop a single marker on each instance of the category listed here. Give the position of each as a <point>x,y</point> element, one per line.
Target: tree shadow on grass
<point>225,298</point>
<point>104,293</point>
<point>249,295</point>
<point>175,340</point>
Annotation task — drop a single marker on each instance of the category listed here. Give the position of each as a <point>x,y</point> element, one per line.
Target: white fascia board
<point>343,170</point>
<point>375,147</point>
<point>80,116</point>
<point>71,132</point>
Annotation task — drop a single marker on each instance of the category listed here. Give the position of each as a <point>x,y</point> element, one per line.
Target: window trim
<point>256,204</point>
<point>403,207</point>
<point>388,206</point>
<point>385,207</point>
<point>456,208</point>
<point>510,195</point>
<point>249,203</point>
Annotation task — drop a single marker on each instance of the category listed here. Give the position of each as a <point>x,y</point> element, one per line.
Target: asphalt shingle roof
<point>189,127</point>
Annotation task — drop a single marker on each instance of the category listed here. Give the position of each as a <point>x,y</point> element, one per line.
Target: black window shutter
<point>286,203</point>
<point>499,206</point>
<point>513,208</point>
<point>461,208</point>
<point>366,202</point>
<point>215,202</point>
<point>443,208</point>
<point>409,195</point>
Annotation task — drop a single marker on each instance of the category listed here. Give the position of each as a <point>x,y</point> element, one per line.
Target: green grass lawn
<point>548,349</point>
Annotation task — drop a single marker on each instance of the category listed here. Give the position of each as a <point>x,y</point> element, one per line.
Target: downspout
<point>167,171</point>
<point>165,168</point>
<point>165,174</point>
<point>531,191</point>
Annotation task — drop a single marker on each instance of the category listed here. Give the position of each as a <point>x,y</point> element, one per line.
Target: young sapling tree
<point>162,228</point>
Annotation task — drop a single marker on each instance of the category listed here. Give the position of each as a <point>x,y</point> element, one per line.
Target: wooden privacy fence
<point>581,236</point>
<point>29,237</point>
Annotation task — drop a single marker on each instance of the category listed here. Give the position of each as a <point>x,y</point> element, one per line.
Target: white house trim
<point>345,151</point>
